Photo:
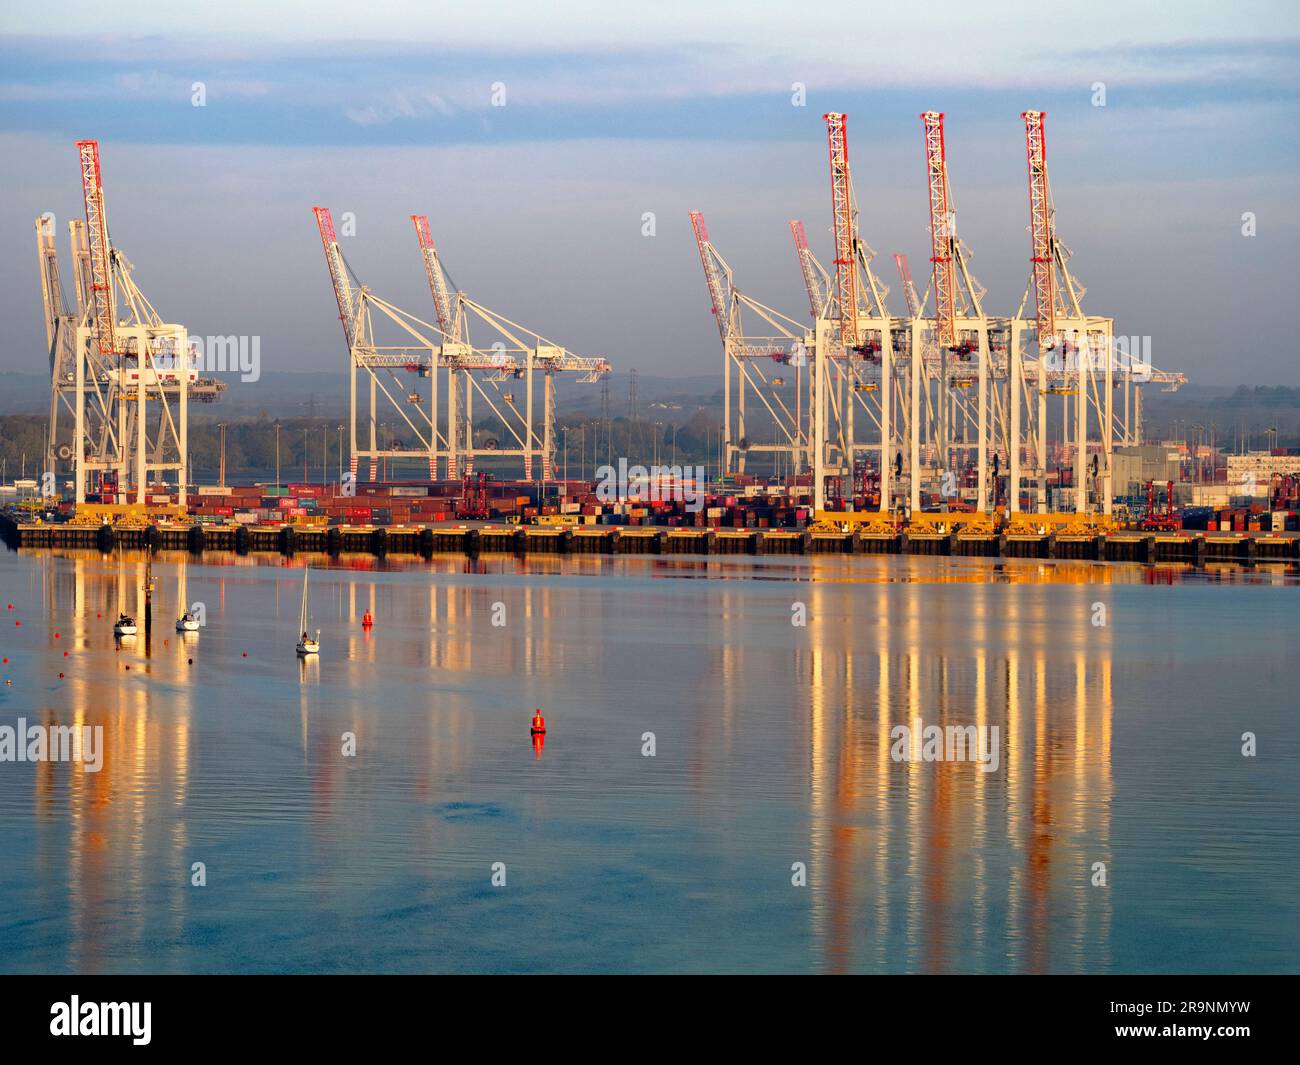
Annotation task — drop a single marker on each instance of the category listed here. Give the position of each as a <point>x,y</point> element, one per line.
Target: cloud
<point>401,105</point>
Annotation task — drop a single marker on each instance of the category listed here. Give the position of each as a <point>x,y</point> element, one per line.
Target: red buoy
<point>367,621</point>
<point>539,724</point>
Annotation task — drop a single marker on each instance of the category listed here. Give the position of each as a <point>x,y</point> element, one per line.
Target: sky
<point>537,137</point>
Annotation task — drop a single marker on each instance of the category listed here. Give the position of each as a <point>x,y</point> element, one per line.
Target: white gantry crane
<point>1074,359</point>
<point>518,354</point>
<point>747,359</point>
<point>121,379</point>
<point>965,338</point>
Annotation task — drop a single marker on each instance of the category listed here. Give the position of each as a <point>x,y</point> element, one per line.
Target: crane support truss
<point>845,261</point>
<point>1041,225</point>
<point>101,276</point>
<point>942,230</point>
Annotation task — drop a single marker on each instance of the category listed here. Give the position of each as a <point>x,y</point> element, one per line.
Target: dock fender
<point>334,540</point>
<point>243,539</point>
<point>195,539</point>
<point>379,542</point>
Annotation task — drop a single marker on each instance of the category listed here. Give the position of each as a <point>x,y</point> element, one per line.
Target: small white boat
<point>125,626</point>
<point>185,623</point>
<point>306,645</point>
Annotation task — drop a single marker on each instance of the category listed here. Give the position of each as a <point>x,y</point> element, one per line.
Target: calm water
<point>1118,744</point>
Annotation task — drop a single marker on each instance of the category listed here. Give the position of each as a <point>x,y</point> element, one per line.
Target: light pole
<point>340,454</point>
<point>222,427</point>
<point>277,456</point>
<point>564,431</point>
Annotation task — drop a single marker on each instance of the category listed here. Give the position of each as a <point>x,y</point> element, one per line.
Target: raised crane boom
<point>815,279</point>
<point>433,271</point>
<point>943,236</point>
<point>909,288</point>
<point>714,271</point>
<point>103,310</point>
<point>338,273</point>
<point>844,229</point>
<point>1042,234</point>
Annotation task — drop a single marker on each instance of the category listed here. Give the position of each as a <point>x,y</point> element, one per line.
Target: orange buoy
<point>367,621</point>
<point>539,724</point>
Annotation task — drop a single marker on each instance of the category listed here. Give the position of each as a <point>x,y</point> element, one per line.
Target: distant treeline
<point>1249,417</point>
<point>251,444</point>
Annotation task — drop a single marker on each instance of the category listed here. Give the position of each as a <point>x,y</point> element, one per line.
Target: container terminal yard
<point>944,430</point>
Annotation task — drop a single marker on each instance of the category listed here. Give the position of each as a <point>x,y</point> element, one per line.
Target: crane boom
<point>909,288</point>
<point>712,276</point>
<point>1041,229</point>
<point>103,309</point>
<point>51,285</point>
<point>338,272</point>
<point>807,267</point>
<point>433,271</point>
<point>844,230</point>
<point>942,230</point>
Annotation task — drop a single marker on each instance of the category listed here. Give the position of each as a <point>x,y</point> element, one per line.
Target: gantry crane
<point>1074,357</point>
<point>428,348</point>
<point>744,357</point>
<point>964,335</point>
<point>124,376</point>
<point>930,366</point>
<point>863,336</point>
<point>517,352</point>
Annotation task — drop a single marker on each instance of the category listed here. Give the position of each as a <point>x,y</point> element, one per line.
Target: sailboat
<point>306,645</point>
<point>187,622</point>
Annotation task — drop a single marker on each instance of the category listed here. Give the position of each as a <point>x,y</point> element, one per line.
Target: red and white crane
<point>124,375</point>
<point>102,295</point>
<point>1075,358</point>
<point>863,335</point>
<point>817,281</point>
